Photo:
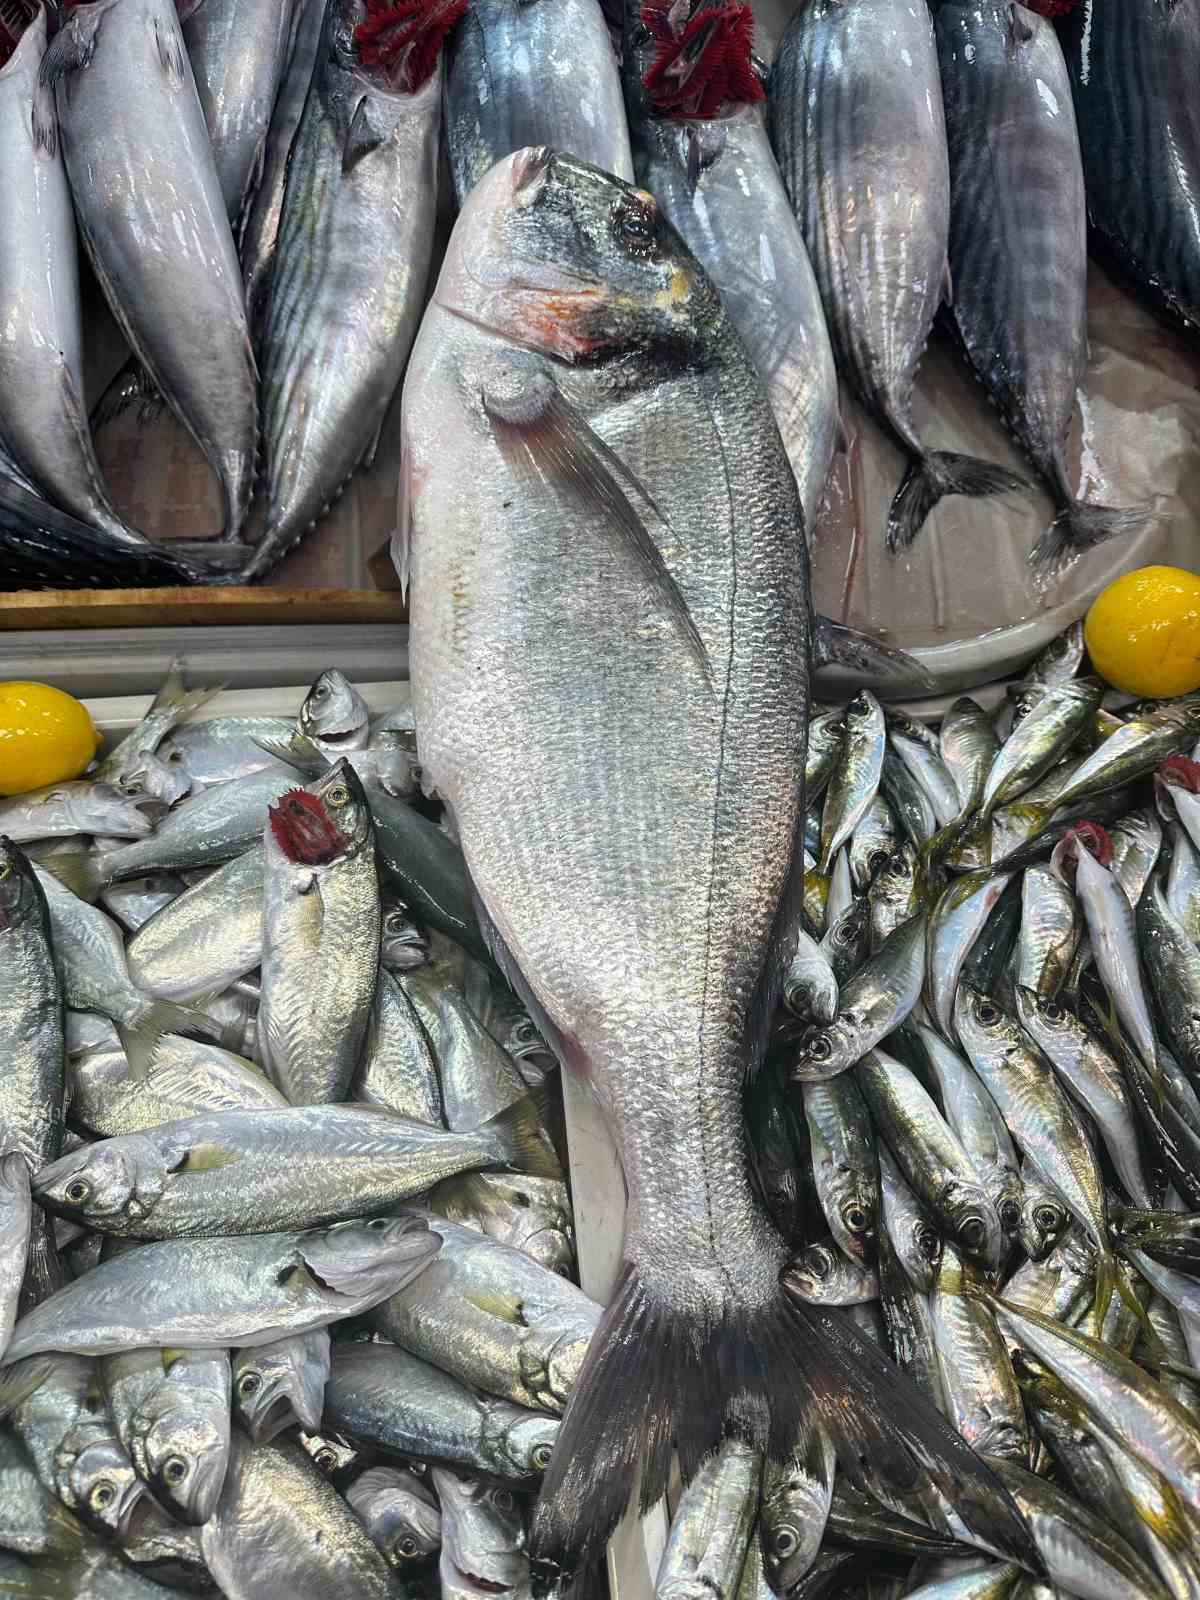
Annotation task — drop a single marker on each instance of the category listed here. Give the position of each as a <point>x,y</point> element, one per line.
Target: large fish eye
<point>635,226</point>
<point>785,1543</point>
<point>249,1384</point>
<point>320,690</point>
<point>103,1494</point>
<point>77,1191</point>
<point>174,1470</point>
<point>503,1500</point>
<point>541,1456</point>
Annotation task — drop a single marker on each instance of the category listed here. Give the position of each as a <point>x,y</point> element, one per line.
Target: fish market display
<point>242,1294</point>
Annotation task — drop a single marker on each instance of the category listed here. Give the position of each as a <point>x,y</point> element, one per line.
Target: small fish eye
<point>973,1233</point>
<point>819,1047</point>
<point>785,1543</point>
<point>525,1031</point>
<point>338,795</point>
<point>541,1456</point>
<point>820,1263</point>
<point>77,1191</point>
<point>1010,1215</point>
<point>249,1384</point>
<point>320,691</point>
<point>326,1459</point>
<point>636,227</point>
<point>103,1494</point>
<point>175,755</point>
<point>856,1219</point>
<point>987,1014</point>
<point>929,1242</point>
<point>503,1500</point>
<point>406,1546</point>
<point>1047,1218</point>
<point>1053,1012</point>
<point>378,1224</point>
<point>174,1470</point>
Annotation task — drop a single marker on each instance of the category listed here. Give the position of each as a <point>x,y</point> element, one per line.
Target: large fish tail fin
<point>662,1376</point>
<point>1080,527</point>
<point>933,476</point>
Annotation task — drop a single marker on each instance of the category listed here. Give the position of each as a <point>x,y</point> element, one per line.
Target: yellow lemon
<point>1143,632</point>
<point>46,736</point>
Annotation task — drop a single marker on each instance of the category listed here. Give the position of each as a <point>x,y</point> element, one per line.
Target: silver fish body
<point>351,259</point>
<point>388,1398</point>
<point>218,749</point>
<point>967,743</point>
<point>16,1224</point>
<point>1040,740</point>
<point>977,1375</point>
<point>189,1076</point>
<point>712,1527</point>
<point>544,75</point>
<point>206,938</point>
<point>1172,963</point>
<point>237,54</point>
<point>909,1224</point>
<point>855,779</point>
<point>176,1428</point>
<point>281,1532</point>
<point>43,410</point>
<point>1051,927</point>
<point>532,1214</point>
<point>150,210</point>
<point>955,923</point>
<point>65,809</point>
<point>399,1068</point>
<point>227,1292</point>
<point>1113,935</point>
<point>845,1168</point>
<point>135,902</point>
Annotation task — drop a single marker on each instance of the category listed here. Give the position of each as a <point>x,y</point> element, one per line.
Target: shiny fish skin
<point>150,210</point>
<point>173,1420</point>
<point>810,988</point>
<point>483,1538</point>
<point>402,1406</point>
<point>796,1497</point>
<point>874,840</point>
<point>350,265</point>
<point>278,1385</point>
<point>930,1156</point>
<point>532,1214</point>
<point>533,75</point>
<point>281,1532</point>
<point>1132,67</point>
<point>1172,963</point>
<point>31,1023</point>
<point>1113,936</point>
<point>33,1521</point>
<point>1051,927</point>
<point>826,734</point>
<point>493,1318</point>
<point>206,938</point>
<point>217,749</point>
<point>16,1223</point>
<point>955,923</point>
<point>822,1274</point>
<point>237,54</point>
<point>712,1527</point>
<point>719,186</point>
<point>1131,752</point>
<point>189,1076</point>
<point>1136,843</point>
<point>398,1069</point>
<point>845,1168</point>
<point>1040,740</point>
<point>909,1324</point>
<point>855,114</point>
<point>977,1376</point>
<point>896,894</point>
<point>399,1512</point>
<point>968,745</point>
<point>43,412</point>
<point>909,1224</point>
<point>64,809</point>
<point>226,1292</point>
<point>927,769</point>
<point>855,778</point>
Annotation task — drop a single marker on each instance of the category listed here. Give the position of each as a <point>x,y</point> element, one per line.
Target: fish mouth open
<point>272,1418</point>
<point>473,1580</point>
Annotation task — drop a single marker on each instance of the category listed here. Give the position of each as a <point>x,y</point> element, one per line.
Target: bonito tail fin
<point>660,1378</point>
<point>933,476</point>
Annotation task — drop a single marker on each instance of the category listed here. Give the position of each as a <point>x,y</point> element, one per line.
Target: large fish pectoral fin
<point>168,46</point>
<point>547,442</point>
<point>73,46</point>
<point>44,121</point>
<point>361,136</point>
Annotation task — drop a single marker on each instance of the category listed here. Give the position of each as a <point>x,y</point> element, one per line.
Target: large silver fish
<point>855,113</point>
<point>43,413</point>
<point>351,259</point>
<point>578,391</point>
<point>1018,241</point>
<point>151,214</point>
<point>718,184</point>
<point>238,53</point>
<point>519,75</point>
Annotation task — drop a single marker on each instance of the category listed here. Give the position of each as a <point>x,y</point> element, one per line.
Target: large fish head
<point>95,1478</point>
<point>114,1178</point>
<point>555,255</point>
<point>361,1263</point>
<point>334,713</point>
<point>21,895</point>
<point>403,944</point>
<point>181,1449</point>
<point>277,1385</point>
<point>483,1532</point>
<point>399,1513</point>
<point>326,821</point>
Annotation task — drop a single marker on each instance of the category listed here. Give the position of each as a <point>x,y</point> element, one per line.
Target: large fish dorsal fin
<point>547,441</point>
<point>73,47</point>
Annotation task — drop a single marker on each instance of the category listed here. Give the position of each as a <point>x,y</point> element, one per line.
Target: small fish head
<point>332,1454</point>
<point>404,944</point>
<point>366,1261</point>
<point>20,894</point>
<point>110,1179</point>
<point>815,1274</point>
<point>399,1513</point>
<point>1044,1220</point>
<point>791,1525</point>
<point>567,260</point>
<point>95,1478</point>
<point>325,821</point>
<point>526,1046</point>
<point>277,1385</point>
<point>920,1251</point>
<point>334,714</point>
<point>103,810</point>
<point>183,1456</point>
<point>824,1052</point>
<point>974,1222</point>
<point>483,1531</point>
<point>519,1443</point>
<point>982,1024</point>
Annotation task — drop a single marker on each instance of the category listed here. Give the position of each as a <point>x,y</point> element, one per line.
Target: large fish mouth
<point>476,1580</point>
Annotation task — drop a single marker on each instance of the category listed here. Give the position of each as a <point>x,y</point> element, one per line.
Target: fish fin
<point>947,283</point>
<point>544,438</point>
<point>298,751</point>
<point>837,644</point>
<point>1019,31</point>
<point>361,137</point>
<point>44,121</point>
<point>23,1378</point>
<point>171,57</point>
<point>518,1131</point>
<point>939,473</point>
<point>132,385</point>
<point>203,1157</point>
<point>1081,527</point>
<point>73,46</point>
<point>77,870</point>
<point>140,1040</point>
<point>174,694</point>
<point>402,533</point>
<point>43,1268</point>
<point>663,1376</point>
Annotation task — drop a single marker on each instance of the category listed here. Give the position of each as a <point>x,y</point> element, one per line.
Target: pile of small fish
<point>256,186</point>
<point>287,1248</point>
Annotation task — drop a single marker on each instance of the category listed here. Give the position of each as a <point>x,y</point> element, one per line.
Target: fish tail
<point>140,1035</point>
<point>1079,527</point>
<point>43,1267</point>
<point>666,1374</point>
<point>933,476</point>
<point>525,1146</point>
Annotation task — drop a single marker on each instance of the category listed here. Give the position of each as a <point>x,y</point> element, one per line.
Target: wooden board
<point>175,608</point>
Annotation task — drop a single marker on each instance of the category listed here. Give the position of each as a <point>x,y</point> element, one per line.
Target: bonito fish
<point>602,525</point>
